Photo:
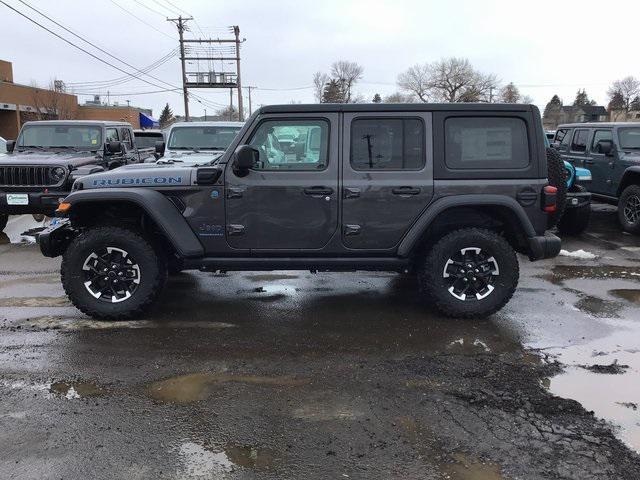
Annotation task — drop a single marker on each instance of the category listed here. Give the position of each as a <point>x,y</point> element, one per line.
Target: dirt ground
<point>351,375</point>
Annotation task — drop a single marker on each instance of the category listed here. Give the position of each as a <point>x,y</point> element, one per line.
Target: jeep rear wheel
<point>112,273</point>
<point>470,273</point>
<point>629,209</point>
<point>3,221</point>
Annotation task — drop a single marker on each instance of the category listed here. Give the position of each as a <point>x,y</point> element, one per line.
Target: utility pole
<point>490,94</point>
<point>249,90</point>
<point>181,22</point>
<point>236,31</point>
<point>230,104</point>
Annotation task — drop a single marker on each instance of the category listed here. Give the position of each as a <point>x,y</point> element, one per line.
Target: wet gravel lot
<point>295,375</point>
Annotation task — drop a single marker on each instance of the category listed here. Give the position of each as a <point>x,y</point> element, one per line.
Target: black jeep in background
<point>450,191</point>
<point>612,152</point>
<point>49,156</point>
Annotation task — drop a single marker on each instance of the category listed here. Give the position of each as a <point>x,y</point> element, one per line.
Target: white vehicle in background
<point>3,145</point>
<point>197,142</point>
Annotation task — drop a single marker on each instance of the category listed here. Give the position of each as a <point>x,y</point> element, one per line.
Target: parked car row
<point>49,156</point>
<point>611,151</point>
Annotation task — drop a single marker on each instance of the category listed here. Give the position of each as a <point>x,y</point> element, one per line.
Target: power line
<point>123,94</point>
<point>123,79</point>
<point>141,20</point>
<point>149,8</point>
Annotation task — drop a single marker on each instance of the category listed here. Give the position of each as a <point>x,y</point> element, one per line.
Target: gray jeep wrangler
<point>449,191</point>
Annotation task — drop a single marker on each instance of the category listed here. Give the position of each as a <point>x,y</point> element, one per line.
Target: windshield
<point>83,137</point>
<point>629,138</point>
<point>202,138</point>
<point>147,140</point>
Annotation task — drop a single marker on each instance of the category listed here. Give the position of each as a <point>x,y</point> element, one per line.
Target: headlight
<point>58,174</point>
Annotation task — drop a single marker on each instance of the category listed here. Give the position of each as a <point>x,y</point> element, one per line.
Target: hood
<point>140,175</point>
<point>199,157</point>
<point>74,159</point>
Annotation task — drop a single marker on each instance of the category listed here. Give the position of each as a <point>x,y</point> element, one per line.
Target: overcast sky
<point>528,43</point>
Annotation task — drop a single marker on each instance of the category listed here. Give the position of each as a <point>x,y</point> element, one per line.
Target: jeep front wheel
<point>629,209</point>
<point>470,273</point>
<point>112,273</point>
<point>3,221</point>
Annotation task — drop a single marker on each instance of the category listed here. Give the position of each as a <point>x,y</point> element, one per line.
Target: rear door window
<point>580,139</point>
<point>387,144</point>
<point>112,135</point>
<point>486,143</point>
<point>560,135</point>
<point>599,136</point>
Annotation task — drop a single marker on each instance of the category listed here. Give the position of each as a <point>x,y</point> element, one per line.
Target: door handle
<point>588,161</point>
<point>405,191</point>
<point>318,191</point>
<point>351,192</point>
<point>235,192</point>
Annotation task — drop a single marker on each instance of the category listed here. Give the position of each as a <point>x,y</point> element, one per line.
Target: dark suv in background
<point>611,151</point>
<point>450,191</point>
<point>49,156</point>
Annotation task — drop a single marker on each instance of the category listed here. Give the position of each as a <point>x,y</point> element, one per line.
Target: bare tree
<point>399,97</point>
<point>628,88</point>
<point>417,81</point>
<point>347,75</point>
<point>526,99</point>
<point>50,103</point>
<point>319,81</point>
<point>448,80</point>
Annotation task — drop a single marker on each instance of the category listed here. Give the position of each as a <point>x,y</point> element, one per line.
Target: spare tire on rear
<point>557,175</point>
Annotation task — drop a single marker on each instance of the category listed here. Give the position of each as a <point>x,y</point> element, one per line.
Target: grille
<point>27,176</point>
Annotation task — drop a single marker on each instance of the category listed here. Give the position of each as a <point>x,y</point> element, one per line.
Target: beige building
<point>22,103</point>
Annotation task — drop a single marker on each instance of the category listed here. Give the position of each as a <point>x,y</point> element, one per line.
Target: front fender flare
<point>414,234</point>
<point>158,207</point>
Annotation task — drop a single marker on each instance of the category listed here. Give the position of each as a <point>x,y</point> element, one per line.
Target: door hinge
<point>235,230</point>
<point>350,230</point>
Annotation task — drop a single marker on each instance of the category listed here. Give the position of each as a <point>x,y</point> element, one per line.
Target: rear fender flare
<point>415,233</point>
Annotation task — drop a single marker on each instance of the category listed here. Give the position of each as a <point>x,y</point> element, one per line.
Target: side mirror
<point>11,145</point>
<point>160,147</point>
<point>605,147</point>
<point>111,148</point>
<point>246,158</point>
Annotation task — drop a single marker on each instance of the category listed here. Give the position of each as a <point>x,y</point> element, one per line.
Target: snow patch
<point>580,254</point>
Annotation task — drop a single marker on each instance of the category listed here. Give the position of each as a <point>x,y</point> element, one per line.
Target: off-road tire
<point>151,262</point>
<point>574,221</point>
<point>630,196</point>
<point>3,221</point>
<point>557,176</point>
<point>436,288</point>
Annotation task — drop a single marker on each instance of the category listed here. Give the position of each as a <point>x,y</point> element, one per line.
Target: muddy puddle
<point>560,273</point>
<point>602,374</point>
<point>465,467</point>
<point>35,302</point>
<point>73,390</point>
<point>205,461</point>
<point>64,323</point>
<point>199,386</point>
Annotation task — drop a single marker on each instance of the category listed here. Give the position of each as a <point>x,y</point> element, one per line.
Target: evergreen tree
<point>166,117</point>
<point>617,101</point>
<point>582,99</point>
<point>332,92</point>
<point>510,94</point>
<point>377,98</point>
<point>635,103</point>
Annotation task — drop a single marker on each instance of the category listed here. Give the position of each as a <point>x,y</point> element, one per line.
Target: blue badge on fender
<point>215,194</point>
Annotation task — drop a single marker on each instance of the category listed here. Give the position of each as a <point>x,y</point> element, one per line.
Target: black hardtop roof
<point>599,124</point>
<point>396,107</point>
<point>105,123</point>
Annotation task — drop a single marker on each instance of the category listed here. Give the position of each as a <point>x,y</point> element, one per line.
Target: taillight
<point>549,199</point>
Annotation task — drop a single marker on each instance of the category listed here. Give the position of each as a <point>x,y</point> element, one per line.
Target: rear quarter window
<point>486,143</point>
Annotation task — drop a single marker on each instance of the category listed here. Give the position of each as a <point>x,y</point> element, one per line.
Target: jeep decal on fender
<point>110,182</point>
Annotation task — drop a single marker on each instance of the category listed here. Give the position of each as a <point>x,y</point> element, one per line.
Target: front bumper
<point>544,246</point>
<point>39,202</point>
<point>54,239</point>
<point>577,200</point>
